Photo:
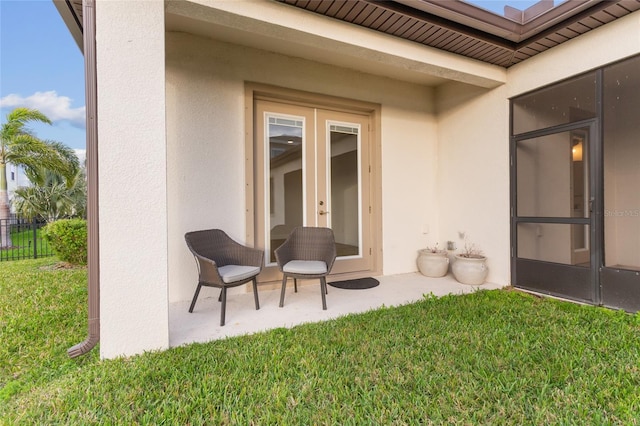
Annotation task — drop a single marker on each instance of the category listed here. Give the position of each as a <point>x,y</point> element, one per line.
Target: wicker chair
<point>223,263</point>
<point>307,253</point>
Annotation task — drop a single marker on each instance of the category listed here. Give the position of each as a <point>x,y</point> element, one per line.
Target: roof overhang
<point>462,28</point>
<point>275,27</point>
<point>71,13</point>
<point>453,26</point>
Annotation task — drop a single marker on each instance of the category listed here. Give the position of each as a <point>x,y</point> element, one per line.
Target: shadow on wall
<point>450,96</point>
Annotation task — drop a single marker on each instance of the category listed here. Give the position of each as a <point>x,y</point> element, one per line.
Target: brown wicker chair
<point>307,253</point>
<point>223,263</point>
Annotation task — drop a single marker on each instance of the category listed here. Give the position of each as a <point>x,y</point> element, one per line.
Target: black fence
<point>22,239</point>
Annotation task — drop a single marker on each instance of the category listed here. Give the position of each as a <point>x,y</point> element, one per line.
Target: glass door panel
<point>284,171</point>
<point>285,167</point>
<point>344,189</point>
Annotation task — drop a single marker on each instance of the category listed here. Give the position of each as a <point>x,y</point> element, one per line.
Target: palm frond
<point>16,123</point>
<point>24,115</point>
<point>68,158</point>
<point>36,155</point>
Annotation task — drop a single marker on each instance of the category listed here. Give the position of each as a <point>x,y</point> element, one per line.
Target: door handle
<point>322,212</point>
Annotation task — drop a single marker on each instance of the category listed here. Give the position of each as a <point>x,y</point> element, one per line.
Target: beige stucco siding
<point>473,176</point>
<point>205,136</point>
<point>132,176</point>
<point>171,123</point>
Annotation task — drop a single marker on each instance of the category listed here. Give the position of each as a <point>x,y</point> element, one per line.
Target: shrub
<point>68,238</point>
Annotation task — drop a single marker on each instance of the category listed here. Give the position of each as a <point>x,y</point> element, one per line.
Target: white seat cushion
<point>310,267</point>
<point>233,273</point>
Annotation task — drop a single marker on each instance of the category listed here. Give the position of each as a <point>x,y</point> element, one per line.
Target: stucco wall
<point>473,175</point>
<point>133,210</point>
<point>206,134</point>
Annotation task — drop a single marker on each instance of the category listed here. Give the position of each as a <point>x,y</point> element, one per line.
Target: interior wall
<point>473,178</point>
<point>206,134</point>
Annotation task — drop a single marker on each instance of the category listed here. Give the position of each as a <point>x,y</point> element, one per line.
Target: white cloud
<point>82,155</point>
<point>54,106</point>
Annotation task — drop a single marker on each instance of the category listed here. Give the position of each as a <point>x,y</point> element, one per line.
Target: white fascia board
<point>285,29</point>
<point>70,22</point>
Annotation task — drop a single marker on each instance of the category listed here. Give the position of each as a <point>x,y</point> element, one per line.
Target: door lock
<point>322,212</point>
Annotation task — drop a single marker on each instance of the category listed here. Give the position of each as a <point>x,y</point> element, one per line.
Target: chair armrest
<point>208,270</point>
<point>329,256</point>
<point>284,254</point>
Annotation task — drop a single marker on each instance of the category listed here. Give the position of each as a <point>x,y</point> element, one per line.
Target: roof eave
<point>71,20</point>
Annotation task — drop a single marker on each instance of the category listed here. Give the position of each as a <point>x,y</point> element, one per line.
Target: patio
<point>305,306</point>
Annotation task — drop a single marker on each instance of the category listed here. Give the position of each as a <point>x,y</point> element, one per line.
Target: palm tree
<point>54,199</point>
<point>19,146</point>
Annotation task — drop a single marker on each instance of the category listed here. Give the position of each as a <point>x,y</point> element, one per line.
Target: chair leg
<point>284,287</point>
<point>295,285</point>
<point>323,291</point>
<point>223,294</point>
<point>195,297</point>
<point>255,294</point>
<point>220,296</point>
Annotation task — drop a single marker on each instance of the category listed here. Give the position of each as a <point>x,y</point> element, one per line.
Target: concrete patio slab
<point>203,324</point>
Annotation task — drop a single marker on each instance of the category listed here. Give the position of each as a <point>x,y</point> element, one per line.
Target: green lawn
<point>22,238</point>
<point>493,357</point>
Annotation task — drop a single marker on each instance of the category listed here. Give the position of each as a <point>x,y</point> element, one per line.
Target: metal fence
<point>26,239</point>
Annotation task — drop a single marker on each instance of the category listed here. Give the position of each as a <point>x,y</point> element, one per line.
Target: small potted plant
<point>433,262</point>
<point>470,266</point>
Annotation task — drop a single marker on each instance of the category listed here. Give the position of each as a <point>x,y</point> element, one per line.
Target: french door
<point>313,169</point>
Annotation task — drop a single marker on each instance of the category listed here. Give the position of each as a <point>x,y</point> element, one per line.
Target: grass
<point>492,357</point>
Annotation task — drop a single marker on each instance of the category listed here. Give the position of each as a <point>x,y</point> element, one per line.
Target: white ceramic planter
<point>432,264</point>
<point>470,270</point>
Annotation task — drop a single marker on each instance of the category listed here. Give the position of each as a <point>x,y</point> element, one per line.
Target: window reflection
<point>345,199</point>
<point>285,179</point>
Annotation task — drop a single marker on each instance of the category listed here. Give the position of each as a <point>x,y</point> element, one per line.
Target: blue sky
<point>42,67</point>
<point>497,6</point>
